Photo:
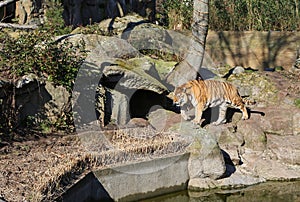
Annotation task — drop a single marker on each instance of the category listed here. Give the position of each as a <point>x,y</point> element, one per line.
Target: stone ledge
<point>133,181</point>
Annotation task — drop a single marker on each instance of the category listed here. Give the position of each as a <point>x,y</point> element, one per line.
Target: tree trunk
<point>189,68</point>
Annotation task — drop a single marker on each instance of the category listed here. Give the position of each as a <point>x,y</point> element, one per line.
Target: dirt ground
<point>27,168</point>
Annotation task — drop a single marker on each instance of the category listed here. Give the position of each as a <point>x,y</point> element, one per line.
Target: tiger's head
<point>181,96</point>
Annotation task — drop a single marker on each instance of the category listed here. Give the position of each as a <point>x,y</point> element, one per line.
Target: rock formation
<point>131,85</point>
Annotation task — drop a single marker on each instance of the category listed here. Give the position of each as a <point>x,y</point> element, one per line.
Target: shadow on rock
<point>230,167</point>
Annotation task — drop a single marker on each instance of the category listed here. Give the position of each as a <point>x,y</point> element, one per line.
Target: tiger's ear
<point>187,88</point>
<point>171,95</point>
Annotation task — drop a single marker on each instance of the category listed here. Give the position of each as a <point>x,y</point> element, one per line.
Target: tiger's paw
<point>245,117</point>
<point>184,115</point>
<point>197,122</point>
<point>219,122</point>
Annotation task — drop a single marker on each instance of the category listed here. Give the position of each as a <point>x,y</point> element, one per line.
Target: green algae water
<point>265,192</point>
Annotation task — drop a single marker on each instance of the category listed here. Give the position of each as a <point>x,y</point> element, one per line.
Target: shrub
<point>180,12</point>
<point>261,15</point>
<point>238,15</point>
<point>297,103</point>
<point>54,22</point>
<point>37,52</point>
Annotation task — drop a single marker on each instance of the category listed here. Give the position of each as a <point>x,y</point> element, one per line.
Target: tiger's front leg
<point>198,114</point>
<point>184,115</point>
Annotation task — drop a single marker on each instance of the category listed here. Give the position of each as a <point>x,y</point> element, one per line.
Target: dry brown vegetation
<point>43,169</point>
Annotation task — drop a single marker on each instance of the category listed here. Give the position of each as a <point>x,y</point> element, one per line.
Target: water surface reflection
<point>265,192</point>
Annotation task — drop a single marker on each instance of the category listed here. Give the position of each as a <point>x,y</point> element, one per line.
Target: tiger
<point>201,94</point>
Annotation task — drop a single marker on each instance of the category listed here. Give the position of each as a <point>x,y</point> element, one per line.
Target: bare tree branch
<point>17,26</point>
<point>4,3</point>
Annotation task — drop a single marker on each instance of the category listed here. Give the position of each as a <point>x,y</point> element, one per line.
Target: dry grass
<point>27,168</point>
<point>44,169</point>
<point>142,141</point>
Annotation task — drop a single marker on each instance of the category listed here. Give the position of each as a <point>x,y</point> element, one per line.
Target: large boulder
<point>137,73</point>
<point>59,106</point>
<point>38,102</point>
<point>106,65</point>
<point>253,135</point>
<point>78,12</point>
<point>119,106</point>
<point>265,147</point>
<point>278,121</point>
<point>239,153</point>
<point>206,159</point>
<point>103,46</point>
<point>284,148</point>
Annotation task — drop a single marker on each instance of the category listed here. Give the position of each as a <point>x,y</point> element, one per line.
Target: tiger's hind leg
<point>222,114</point>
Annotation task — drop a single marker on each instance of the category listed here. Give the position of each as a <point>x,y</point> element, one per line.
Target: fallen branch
<point>18,26</point>
<point>4,3</point>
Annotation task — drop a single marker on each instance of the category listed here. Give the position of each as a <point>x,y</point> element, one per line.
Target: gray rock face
<point>151,37</point>
<point>59,104</point>
<point>78,12</point>
<point>284,148</point>
<point>206,159</point>
<point>284,120</point>
<point>136,74</point>
<point>238,70</point>
<point>230,141</point>
<point>104,46</point>
<point>119,107</point>
<point>239,152</point>
<point>231,155</point>
<point>253,134</point>
<point>105,65</point>
<point>37,100</point>
<point>237,180</point>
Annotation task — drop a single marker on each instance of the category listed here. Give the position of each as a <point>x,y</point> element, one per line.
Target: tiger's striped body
<point>202,94</point>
